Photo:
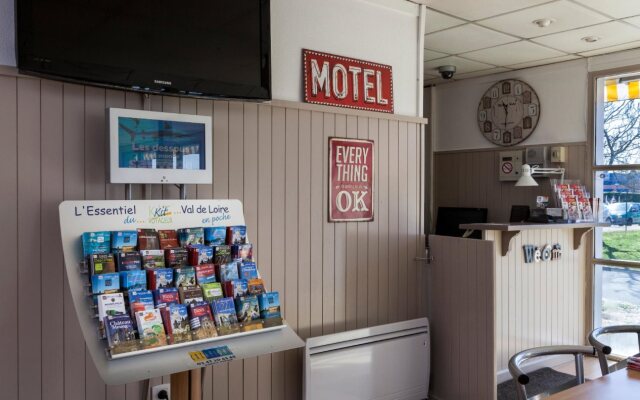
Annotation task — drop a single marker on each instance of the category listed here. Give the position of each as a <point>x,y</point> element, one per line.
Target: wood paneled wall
<point>332,277</point>
<point>470,179</point>
<point>539,304</point>
<point>487,307</point>
<point>461,286</point>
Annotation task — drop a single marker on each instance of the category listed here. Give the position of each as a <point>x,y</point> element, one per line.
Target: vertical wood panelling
<point>470,179</point>
<point>393,229</point>
<point>8,198</point>
<point>236,191</point>
<point>331,276</point>
<point>51,254</point>
<point>278,234</point>
<point>363,240</point>
<point>291,246</point>
<point>264,242</point>
<point>462,353</point>
<point>250,207</point>
<point>403,257</point>
<point>328,234</point>
<point>372,239</point>
<point>316,223</point>
<point>351,282</point>
<point>94,176</point>
<point>28,235</point>
<point>304,224</point>
<point>220,191</point>
<point>340,248</point>
<point>74,161</point>
<point>559,294</point>
<point>382,216</point>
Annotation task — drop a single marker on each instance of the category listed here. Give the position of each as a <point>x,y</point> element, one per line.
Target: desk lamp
<point>527,180</point>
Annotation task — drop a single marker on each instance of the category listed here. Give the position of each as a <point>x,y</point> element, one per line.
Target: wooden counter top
<point>521,226</point>
<point>511,229</point>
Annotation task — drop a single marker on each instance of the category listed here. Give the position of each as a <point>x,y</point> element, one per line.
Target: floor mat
<point>540,381</point>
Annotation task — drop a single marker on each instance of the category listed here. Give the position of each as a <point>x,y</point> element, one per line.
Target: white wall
<point>384,31</point>
<point>562,89</point>
<point>355,28</point>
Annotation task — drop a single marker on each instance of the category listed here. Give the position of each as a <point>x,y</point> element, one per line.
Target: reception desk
<point>494,297</point>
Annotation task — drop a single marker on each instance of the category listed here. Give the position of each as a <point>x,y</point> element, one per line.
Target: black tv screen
<point>449,220</point>
<point>200,48</point>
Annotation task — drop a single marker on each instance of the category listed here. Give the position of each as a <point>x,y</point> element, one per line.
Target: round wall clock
<point>508,112</point>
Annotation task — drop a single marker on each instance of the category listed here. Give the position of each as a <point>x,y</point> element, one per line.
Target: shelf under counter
<point>511,229</point>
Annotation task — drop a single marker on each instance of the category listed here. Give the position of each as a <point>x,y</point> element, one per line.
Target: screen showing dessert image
<point>161,144</point>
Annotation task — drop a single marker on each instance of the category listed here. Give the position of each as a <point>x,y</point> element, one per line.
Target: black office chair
<point>520,379</point>
<point>603,350</point>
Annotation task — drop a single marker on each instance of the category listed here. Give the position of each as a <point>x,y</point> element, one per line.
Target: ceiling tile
<point>475,9</point>
<point>614,8</point>
<point>565,16</point>
<point>545,61</point>
<point>633,21</point>
<point>612,49</point>
<point>481,73</point>
<point>462,65</point>
<point>464,38</point>
<point>610,34</point>
<point>433,55</point>
<point>512,53</point>
<point>437,21</point>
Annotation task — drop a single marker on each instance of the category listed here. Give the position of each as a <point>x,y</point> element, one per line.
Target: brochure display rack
<point>119,366</point>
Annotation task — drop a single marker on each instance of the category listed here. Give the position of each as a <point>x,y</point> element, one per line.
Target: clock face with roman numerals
<point>508,112</point>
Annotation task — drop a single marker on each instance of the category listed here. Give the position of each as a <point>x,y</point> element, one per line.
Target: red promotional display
<point>350,180</point>
<point>346,82</point>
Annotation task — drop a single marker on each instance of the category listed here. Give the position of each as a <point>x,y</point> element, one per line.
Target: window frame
<point>592,139</point>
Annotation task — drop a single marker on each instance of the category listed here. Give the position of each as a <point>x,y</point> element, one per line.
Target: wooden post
<point>180,386</point>
<point>196,384</point>
<point>187,385</point>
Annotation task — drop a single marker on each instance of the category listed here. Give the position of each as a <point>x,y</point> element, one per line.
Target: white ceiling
<point>482,37</point>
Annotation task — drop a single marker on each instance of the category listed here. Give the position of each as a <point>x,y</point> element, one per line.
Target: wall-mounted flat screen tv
<point>155,147</point>
<point>198,48</point>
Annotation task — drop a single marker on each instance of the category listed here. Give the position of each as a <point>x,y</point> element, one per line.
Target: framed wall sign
<point>351,172</point>
<point>347,82</point>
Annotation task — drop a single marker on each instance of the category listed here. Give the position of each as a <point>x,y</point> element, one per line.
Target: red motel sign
<point>347,82</point>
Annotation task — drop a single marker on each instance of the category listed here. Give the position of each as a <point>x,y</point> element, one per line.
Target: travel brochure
<point>156,288</point>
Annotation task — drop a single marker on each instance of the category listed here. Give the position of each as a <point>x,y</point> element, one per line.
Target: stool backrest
<point>521,379</point>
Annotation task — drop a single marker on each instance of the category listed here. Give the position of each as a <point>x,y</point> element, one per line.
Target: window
<point>617,182</point>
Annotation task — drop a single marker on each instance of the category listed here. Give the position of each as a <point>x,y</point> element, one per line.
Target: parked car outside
<point>623,213</point>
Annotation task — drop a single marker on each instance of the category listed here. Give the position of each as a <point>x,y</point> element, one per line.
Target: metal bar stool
<point>521,379</point>
<point>603,350</point>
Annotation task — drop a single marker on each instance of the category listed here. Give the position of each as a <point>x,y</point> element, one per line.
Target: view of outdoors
<point>619,189</point>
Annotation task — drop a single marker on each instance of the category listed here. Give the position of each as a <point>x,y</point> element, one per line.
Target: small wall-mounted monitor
<point>157,147</point>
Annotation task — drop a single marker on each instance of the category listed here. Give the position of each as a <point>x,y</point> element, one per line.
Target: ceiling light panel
<point>464,38</point>
<point>610,34</point>
<point>564,15</point>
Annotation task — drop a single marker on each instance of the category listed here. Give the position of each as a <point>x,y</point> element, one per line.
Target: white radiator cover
<point>382,362</point>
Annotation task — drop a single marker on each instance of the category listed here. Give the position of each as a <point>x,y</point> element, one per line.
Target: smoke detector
<point>543,22</point>
<point>590,39</point>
